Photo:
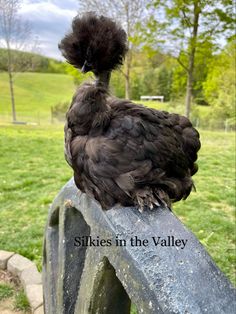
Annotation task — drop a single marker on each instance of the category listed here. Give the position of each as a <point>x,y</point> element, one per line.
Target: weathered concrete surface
<point>30,276</point>
<point>17,263</point>
<point>35,295</point>
<point>103,279</point>
<point>4,257</point>
<point>39,310</point>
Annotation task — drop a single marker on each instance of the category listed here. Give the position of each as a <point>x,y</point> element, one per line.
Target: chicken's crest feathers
<point>96,39</point>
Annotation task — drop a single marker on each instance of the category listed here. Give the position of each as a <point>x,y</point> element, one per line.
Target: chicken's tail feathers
<point>98,40</point>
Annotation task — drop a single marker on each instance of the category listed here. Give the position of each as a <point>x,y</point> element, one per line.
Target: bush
<point>59,111</point>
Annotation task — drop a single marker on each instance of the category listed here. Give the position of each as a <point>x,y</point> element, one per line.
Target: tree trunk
<point>193,42</point>
<point>188,95</point>
<point>128,56</point>
<point>12,97</point>
<point>9,68</point>
<point>127,77</point>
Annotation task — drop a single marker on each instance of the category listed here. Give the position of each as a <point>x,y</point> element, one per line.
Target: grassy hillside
<point>33,62</point>
<point>35,93</point>
<point>34,170</point>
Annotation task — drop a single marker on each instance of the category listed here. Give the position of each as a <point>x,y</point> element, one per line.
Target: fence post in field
<point>51,115</point>
<point>38,116</point>
<point>99,261</point>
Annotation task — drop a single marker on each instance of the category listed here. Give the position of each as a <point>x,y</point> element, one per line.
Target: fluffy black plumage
<point>97,40</point>
<point>122,152</point>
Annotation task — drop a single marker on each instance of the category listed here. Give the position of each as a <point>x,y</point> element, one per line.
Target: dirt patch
<point>7,305</point>
<point>6,277</point>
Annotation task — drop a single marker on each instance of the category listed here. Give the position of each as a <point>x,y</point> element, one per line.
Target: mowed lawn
<point>35,94</point>
<point>33,170</point>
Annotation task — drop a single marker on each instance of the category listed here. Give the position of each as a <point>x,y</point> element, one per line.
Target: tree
<point>203,58</point>
<point>189,23</point>
<point>128,13</point>
<point>164,83</point>
<point>14,33</point>
<point>77,75</point>
<point>219,87</point>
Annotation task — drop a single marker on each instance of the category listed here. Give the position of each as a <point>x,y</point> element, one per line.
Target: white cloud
<point>50,21</point>
<point>44,9</point>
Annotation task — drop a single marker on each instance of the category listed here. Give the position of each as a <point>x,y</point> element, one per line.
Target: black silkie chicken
<point>122,152</point>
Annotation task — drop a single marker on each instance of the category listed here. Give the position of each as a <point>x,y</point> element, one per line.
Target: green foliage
<point>6,291</point>
<point>21,301</point>
<point>179,81</point>
<point>30,62</point>
<point>219,87</point>
<point>216,17</point>
<point>136,83</point>
<point>133,309</point>
<point>203,62</point>
<point>149,82</point>
<point>54,66</point>
<point>164,83</point>
<point>155,47</point>
<point>117,84</point>
<point>59,110</point>
<point>77,75</point>
<point>189,29</point>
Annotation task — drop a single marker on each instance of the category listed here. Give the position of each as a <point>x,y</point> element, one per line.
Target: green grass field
<point>33,170</point>
<point>35,94</point>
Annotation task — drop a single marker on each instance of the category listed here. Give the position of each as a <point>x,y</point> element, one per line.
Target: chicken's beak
<point>85,67</point>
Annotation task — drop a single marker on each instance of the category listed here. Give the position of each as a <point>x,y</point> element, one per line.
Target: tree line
<point>181,49</point>
<point>177,27</point>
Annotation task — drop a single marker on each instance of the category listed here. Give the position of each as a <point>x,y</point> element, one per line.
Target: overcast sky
<point>50,20</point>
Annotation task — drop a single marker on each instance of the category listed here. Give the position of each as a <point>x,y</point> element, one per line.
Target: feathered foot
<point>163,198</point>
<point>146,198</point>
